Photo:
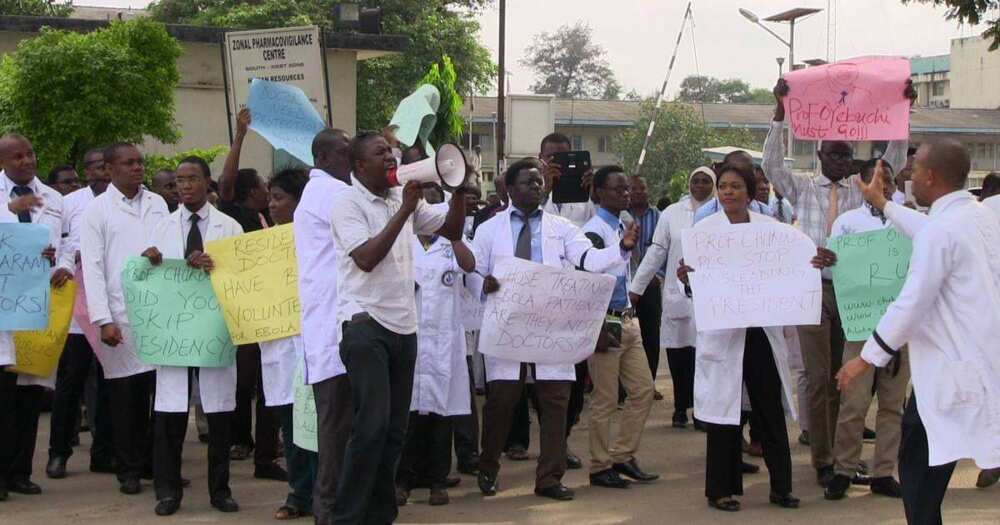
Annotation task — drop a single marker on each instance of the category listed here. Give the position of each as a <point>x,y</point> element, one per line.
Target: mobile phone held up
<point>569,187</point>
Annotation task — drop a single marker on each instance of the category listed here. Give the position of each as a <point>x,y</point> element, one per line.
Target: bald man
<point>952,290</point>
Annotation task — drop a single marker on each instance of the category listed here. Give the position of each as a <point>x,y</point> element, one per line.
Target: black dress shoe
<point>24,486</point>
<point>487,483</point>
<point>448,483</point>
<point>837,487</point>
<point>886,486</point>
<point>270,471</point>
<point>225,505</point>
<point>824,475</point>
<point>56,469</point>
<point>680,420</point>
<point>861,479</point>
<point>787,501</point>
<point>631,469</point>
<point>3,493</point>
<point>469,468</point>
<point>699,425</point>
<point>573,461</point>
<point>749,468</point>
<point>558,492</point>
<point>130,486</point>
<point>608,478</point>
<point>725,504</point>
<point>167,506</point>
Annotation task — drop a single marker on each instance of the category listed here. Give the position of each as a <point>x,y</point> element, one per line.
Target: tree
<point>435,28</point>
<point>449,125</point>
<point>568,64</point>
<point>154,162</point>
<point>69,92</point>
<point>675,149</point>
<point>36,8</point>
<point>697,88</point>
<point>761,96</point>
<point>972,12</point>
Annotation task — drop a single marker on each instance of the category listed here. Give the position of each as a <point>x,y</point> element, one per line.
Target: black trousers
<point>575,407</point>
<point>333,419</point>
<point>426,455</point>
<point>171,428</point>
<point>520,424</point>
<point>924,486</point>
<point>723,472</point>
<point>380,364</point>
<point>649,311</point>
<point>681,363</point>
<point>19,409</point>
<point>131,406</point>
<point>466,428</point>
<point>71,378</point>
<point>263,436</point>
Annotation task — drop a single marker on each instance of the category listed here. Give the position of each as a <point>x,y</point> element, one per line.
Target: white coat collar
<point>945,202</point>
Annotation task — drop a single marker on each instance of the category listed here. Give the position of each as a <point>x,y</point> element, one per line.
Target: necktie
<point>522,250</point>
<point>831,208</point>
<point>20,191</point>
<point>194,237</point>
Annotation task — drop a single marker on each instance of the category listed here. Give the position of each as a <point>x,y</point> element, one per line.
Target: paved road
<point>677,498</point>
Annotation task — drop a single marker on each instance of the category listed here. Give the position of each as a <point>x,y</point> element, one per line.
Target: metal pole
<point>791,67</point>
<point>501,92</point>
<point>659,98</point>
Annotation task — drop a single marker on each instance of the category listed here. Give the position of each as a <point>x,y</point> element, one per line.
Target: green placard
<point>174,316</point>
<point>304,414</point>
<point>870,271</point>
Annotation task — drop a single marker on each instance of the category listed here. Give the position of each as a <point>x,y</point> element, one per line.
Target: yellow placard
<point>38,351</point>
<point>256,281</point>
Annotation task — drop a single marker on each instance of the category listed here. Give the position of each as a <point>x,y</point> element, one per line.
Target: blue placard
<point>24,277</point>
<point>283,115</point>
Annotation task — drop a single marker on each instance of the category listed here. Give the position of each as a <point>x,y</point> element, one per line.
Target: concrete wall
<point>974,75</point>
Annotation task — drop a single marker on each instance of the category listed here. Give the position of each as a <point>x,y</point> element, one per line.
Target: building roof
<point>621,113</point>
<point>934,64</point>
<point>381,43</point>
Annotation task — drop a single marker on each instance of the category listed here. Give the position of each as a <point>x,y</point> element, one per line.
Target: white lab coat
<point>50,215</point>
<point>278,359</point>
<point>946,313</point>
<point>677,326</point>
<point>73,206</point>
<point>112,232</point>
<point>316,253</point>
<point>440,378</point>
<point>216,385</point>
<point>718,369</point>
<point>563,246</point>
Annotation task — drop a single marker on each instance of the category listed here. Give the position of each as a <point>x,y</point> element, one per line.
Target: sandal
<point>286,512</point>
<point>727,504</point>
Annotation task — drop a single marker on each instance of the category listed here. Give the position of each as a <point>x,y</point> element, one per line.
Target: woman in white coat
<point>440,377</point>
<point>727,359</point>
<point>278,360</point>
<point>677,328</point>
<point>182,236</point>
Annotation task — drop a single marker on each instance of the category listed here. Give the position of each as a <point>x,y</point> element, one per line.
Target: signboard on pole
<point>289,55</point>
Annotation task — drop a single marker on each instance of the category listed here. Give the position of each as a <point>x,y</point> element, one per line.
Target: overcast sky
<point>639,35</point>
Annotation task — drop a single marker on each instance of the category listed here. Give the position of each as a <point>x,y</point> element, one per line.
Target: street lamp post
<point>780,60</point>
<point>789,16</point>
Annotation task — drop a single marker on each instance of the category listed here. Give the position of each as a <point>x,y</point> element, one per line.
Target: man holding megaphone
<point>373,224</point>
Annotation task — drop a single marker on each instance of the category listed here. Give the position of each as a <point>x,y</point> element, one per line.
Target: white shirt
<point>73,206</point>
<point>576,212</point>
<point>945,314</point>
<point>859,220</point>
<point>316,253</point>
<point>185,216</point>
<point>113,230</point>
<point>993,203</point>
<point>899,197</point>
<point>386,292</point>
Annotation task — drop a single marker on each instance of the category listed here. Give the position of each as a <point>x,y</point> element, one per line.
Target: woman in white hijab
<point>677,330</point>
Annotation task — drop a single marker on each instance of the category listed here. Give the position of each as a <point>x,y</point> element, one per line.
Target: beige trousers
<point>628,364</point>
<point>822,351</point>
<point>854,403</point>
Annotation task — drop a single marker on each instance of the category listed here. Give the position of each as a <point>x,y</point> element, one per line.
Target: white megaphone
<point>447,166</point>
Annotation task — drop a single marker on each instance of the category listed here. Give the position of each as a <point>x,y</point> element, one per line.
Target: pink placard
<point>80,313</point>
<point>856,100</point>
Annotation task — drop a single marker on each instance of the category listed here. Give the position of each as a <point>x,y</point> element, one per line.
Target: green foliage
<point>36,8</point>
<point>972,12</point>
<point>435,28</point>
<point>154,162</point>
<point>69,92</point>
<point>568,64</point>
<point>675,149</point>
<point>449,124</point>
<point>698,88</point>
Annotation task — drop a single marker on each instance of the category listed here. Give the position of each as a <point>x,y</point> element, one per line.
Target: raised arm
<point>783,179</point>
<point>227,181</point>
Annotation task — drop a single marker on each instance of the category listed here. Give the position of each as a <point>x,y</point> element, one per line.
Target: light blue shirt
<point>712,206</point>
<point>619,298</point>
<point>535,221</point>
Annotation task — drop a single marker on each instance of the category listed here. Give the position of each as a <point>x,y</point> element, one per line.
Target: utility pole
<point>501,127</point>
